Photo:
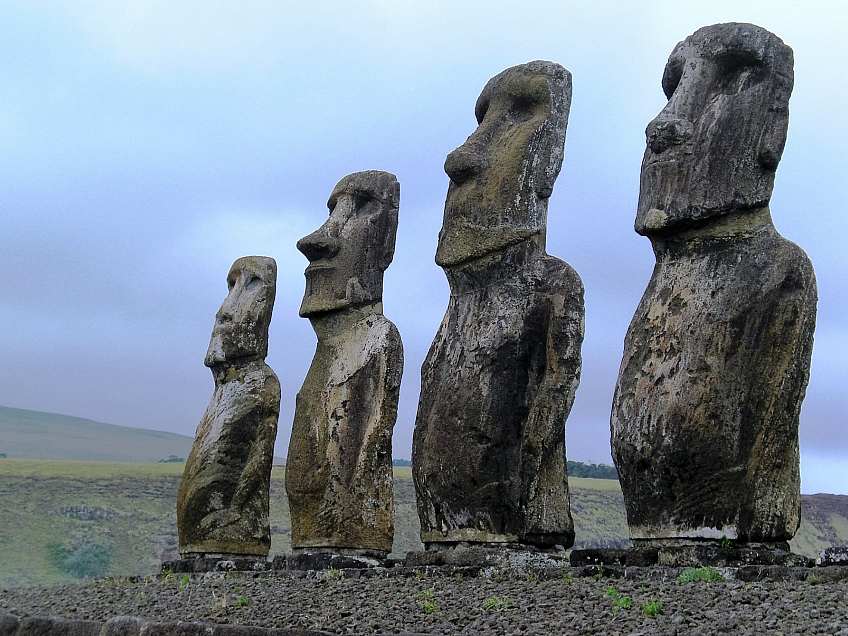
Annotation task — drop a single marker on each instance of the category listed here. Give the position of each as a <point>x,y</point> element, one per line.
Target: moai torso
<point>497,386</point>
<point>498,383</point>
<point>339,467</point>
<point>716,359</point>
<point>223,500</point>
<point>339,472</point>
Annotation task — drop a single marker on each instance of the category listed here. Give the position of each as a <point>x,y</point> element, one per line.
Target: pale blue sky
<point>147,145</point>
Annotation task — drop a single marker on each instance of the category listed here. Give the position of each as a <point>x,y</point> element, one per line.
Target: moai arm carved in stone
<point>223,501</point>
<point>716,359</point>
<point>339,467</point>
<point>498,382</point>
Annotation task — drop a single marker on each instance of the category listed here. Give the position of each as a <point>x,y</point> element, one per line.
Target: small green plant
<point>333,574</point>
<point>421,575</point>
<point>457,576</point>
<point>619,601</point>
<point>600,573</point>
<point>652,607</point>
<point>424,600</point>
<point>532,577</point>
<point>185,578</point>
<point>723,543</point>
<point>567,577</point>
<point>813,578</point>
<point>498,575</point>
<point>497,604</point>
<point>707,574</point>
<point>242,601</point>
<point>182,587</point>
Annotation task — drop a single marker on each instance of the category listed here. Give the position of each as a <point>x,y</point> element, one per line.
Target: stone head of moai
<point>502,176</point>
<point>714,148</point>
<point>350,251</point>
<point>241,324</point>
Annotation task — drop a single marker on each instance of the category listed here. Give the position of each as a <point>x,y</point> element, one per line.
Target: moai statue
<point>716,360</point>
<point>488,452</point>
<point>339,467</point>
<point>222,506</point>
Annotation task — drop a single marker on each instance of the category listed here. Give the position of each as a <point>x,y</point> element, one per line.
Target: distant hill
<point>35,435</point>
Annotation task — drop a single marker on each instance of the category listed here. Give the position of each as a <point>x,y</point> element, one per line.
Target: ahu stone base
<point>692,556</point>
<point>506,556</point>
<point>301,560</point>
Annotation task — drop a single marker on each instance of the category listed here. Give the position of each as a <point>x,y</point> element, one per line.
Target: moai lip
<point>705,415</point>
<point>223,500</point>
<point>498,383</point>
<point>339,467</point>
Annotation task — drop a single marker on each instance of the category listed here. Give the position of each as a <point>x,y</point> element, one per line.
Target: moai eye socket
<point>480,110</point>
<point>363,202</point>
<point>671,76</point>
<point>737,71</point>
<point>523,107</point>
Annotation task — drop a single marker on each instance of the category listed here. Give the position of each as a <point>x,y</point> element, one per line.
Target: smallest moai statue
<point>339,466</point>
<point>223,501</point>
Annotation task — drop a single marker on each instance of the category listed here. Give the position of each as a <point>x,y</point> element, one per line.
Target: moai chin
<point>339,467</point>
<point>222,505</point>
<point>716,359</point>
<point>497,385</point>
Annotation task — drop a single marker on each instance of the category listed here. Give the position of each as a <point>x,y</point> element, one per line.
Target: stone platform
<point>689,556</point>
<point>497,555</point>
<point>302,562</point>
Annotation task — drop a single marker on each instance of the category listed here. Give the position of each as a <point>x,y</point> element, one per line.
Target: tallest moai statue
<point>488,454</point>
<point>716,360</point>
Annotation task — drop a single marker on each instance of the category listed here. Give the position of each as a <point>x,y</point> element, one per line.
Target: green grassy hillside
<point>36,435</point>
<point>62,520</point>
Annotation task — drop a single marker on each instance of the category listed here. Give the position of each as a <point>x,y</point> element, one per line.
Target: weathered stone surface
<point>628,557</point>
<point>9,625</point>
<point>716,359</point>
<point>488,451</point>
<point>339,467</point>
<point>213,563</point>
<point>833,556</point>
<point>502,556</point>
<point>324,561</point>
<point>223,501</point>
<point>50,626</point>
<point>690,556</point>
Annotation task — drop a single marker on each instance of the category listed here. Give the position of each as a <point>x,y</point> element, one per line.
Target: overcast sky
<point>147,145</point>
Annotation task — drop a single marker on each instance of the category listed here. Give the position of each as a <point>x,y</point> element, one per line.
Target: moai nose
<point>463,164</point>
<point>318,245</point>
<point>664,133</point>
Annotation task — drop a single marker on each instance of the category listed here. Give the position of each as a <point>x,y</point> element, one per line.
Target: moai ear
<point>391,202</point>
<point>773,140</point>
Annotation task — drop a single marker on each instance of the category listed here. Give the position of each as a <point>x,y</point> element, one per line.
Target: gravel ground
<point>439,604</point>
